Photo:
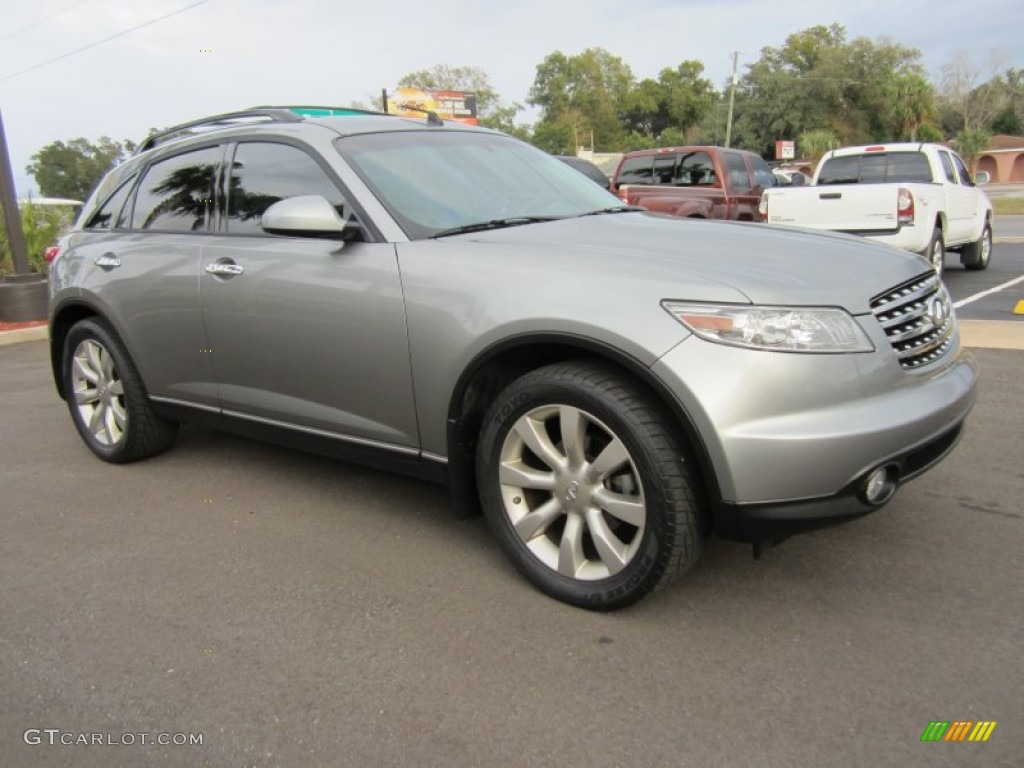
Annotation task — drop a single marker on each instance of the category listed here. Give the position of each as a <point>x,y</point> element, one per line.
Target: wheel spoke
<point>107,361</point>
<point>570,551</point>
<point>521,476</point>
<point>611,458</point>
<point>96,418</point>
<point>536,437</point>
<point>536,522</point>
<point>610,548</point>
<point>626,508</point>
<point>84,371</point>
<point>110,426</point>
<point>92,354</point>
<point>86,396</point>
<point>574,433</point>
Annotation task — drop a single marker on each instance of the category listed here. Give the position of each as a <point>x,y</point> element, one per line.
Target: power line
<point>35,24</point>
<point>101,42</point>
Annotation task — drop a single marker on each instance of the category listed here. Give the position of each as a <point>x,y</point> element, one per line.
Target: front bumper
<point>790,438</point>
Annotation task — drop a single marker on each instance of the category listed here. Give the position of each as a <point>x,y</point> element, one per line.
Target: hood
<point>767,265</point>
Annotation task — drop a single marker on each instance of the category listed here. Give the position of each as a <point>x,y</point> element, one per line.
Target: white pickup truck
<point>918,197</point>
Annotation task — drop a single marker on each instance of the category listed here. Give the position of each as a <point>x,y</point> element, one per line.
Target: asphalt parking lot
<point>298,611</point>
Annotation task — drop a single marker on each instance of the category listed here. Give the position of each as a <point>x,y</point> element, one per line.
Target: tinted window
<point>664,169</point>
<point>695,168</point>
<point>264,173</point>
<point>636,170</point>
<point>876,168</point>
<point>105,217</point>
<point>947,167</point>
<point>840,170</point>
<point>175,194</point>
<point>908,166</point>
<point>763,173</point>
<point>739,179</point>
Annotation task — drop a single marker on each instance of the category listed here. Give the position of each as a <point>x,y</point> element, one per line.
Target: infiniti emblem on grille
<point>938,311</point>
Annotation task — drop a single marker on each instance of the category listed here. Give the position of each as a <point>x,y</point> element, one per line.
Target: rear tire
<point>976,255</point>
<point>586,487</point>
<point>107,400</point>
<point>935,253</point>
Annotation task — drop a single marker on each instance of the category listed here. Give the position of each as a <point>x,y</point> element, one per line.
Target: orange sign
<point>448,105</point>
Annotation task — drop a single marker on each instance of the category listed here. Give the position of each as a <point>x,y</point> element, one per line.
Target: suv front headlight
<point>780,329</point>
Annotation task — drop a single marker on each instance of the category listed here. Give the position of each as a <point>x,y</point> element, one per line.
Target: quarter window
<point>263,174</point>
<point>947,167</point>
<point>695,168</point>
<point>106,216</point>
<point>739,179</point>
<point>175,194</point>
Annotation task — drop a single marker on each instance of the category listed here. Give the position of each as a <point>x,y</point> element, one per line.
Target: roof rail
<point>308,110</point>
<point>432,117</point>
<point>272,114</point>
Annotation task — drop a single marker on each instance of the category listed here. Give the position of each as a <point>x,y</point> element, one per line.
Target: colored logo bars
<point>958,730</point>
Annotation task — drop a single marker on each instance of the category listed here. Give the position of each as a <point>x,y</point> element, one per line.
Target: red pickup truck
<point>696,182</point>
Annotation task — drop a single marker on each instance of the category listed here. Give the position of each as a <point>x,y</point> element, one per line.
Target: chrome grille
<point>918,319</point>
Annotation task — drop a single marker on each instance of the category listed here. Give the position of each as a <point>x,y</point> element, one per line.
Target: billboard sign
<point>448,105</point>
<point>785,150</point>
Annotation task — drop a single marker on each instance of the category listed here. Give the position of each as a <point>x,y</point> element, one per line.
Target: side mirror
<point>982,177</point>
<point>304,216</point>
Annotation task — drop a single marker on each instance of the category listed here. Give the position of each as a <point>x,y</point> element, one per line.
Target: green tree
<point>72,170</point>
<point>678,101</point>
<point>812,145</point>
<point>581,96</point>
<point>817,80</point>
<point>42,225</point>
<point>911,100</point>
<point>970,144</point>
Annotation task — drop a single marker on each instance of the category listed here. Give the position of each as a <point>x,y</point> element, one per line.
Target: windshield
<point>440,181</point>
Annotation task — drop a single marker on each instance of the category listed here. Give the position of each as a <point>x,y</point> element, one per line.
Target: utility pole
<point>732,98</point>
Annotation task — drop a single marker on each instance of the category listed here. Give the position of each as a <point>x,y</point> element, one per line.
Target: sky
<point>212,56</point>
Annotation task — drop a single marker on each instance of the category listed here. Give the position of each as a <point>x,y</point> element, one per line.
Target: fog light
<point>879,486</point>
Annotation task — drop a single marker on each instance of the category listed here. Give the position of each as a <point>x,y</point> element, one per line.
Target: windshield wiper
<point>481,226</point>
<point>615,209</point>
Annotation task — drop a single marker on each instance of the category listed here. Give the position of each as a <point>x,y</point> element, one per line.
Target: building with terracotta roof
<point>1004,159</point>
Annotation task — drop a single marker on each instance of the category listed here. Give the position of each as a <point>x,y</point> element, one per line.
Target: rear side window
<point>763,173</point>
<point>876,168</point>
<point>175,194</point>
<point>637,170</point>
<point>107,215</point>
<point>739,179</point>
<point>696,168</point>
<point>947,167</point>
<point>263,173</point>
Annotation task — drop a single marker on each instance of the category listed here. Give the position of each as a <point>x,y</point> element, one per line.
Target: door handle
<point>224,270</point>
<point>107,261</point>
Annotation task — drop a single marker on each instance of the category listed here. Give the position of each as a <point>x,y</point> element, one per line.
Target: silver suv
<point>609,386</point>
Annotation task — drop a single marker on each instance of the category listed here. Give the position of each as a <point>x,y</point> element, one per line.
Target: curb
<point>1007,240</point>
<point>39,333</point>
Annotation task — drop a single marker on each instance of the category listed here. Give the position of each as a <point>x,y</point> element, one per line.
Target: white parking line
<point>983,294</point>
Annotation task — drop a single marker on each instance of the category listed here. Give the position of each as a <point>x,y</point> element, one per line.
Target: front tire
<point>976,255</point>
<point>935,253</point>
<point>106,397</point>
<point>586,487</point>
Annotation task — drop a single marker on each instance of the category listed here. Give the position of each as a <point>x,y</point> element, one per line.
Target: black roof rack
<point>432,117</point>
<point>274,114</point>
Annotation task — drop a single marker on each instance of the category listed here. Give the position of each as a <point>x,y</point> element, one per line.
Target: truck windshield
<point>876,168</point>
<point>442,181</point>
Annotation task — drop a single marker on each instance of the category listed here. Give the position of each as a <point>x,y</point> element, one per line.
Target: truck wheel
<point>976,255</point>
<point>935,253</point>
<point>586,486</point>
